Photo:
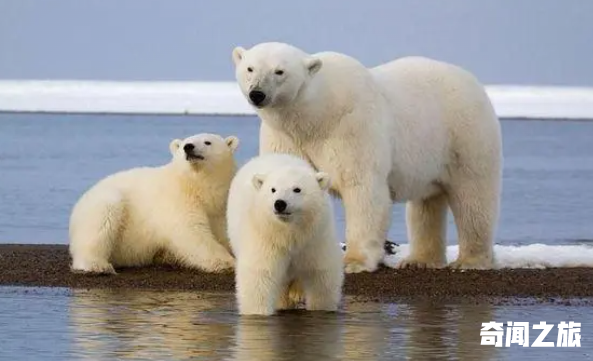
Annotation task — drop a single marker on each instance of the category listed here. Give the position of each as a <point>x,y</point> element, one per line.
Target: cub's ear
<point>323,180</point>
<point>313,65</point>
<point>174,145</point>
<point>258,181</point>
<point>238,54</point>
<point>232,142</point>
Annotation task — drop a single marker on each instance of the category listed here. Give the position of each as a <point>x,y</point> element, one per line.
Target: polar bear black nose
<point>188,147</point>
<point>257,97</point>
<point>280,205</point>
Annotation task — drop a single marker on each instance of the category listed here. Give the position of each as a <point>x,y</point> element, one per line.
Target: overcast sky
<point>501,41</point>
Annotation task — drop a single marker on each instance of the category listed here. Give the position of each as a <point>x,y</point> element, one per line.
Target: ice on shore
<point>225,98</point>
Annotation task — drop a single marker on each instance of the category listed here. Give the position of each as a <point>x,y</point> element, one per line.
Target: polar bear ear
<point>313,65</point>
<point>258,181</point>
<point>238,54</point>
<point>232,142</point>
<point>323,180</point>
<point>174,145</point>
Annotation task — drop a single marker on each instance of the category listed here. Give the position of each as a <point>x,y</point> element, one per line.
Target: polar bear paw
<point>96,267</point>
<point>413,263</point>
<point>476,263</point>
<point>355,263</point>
<point>220,264</point>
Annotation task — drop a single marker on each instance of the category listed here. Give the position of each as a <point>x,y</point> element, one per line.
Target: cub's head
<point>290,194</point>
<point>203,151</point>
<point>273,74</point>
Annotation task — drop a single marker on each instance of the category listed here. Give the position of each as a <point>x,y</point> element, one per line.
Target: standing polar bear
<point>281,229</point>
<point>177,211</point>
<point>414,130</point>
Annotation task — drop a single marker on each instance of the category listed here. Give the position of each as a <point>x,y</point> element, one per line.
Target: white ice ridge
<point>225,98</point>
<point>528,256</point>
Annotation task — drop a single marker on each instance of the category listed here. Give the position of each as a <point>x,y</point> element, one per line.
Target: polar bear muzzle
<point>190,152</point>
<point>257,98</point>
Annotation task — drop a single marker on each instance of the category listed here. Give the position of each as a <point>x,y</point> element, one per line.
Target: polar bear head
<point>273,74</point>
<point>291,193</point>
<point>203,151</point>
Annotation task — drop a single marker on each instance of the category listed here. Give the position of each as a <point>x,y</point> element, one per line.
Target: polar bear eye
<point>273,190</point>
<point>279,72</point>
<point>207,142</point>
<point>250,69</point>
<point>297,190</point>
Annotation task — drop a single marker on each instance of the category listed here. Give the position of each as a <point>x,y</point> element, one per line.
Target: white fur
<point>412,130</point>
<point>277,258</point>
<point>172,213</point>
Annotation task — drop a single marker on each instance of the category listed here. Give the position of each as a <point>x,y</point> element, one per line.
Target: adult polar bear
<point>414,129</point>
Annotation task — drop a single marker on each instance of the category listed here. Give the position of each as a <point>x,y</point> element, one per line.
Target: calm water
<point>47,161</point>
<point>60,324</point>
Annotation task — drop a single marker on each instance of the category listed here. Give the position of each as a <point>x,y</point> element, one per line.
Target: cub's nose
<point>280,205</point>
<point>188,148</point>
<point>257,97</point>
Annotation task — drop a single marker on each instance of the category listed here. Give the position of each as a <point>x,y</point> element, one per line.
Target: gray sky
<point>501,41</point>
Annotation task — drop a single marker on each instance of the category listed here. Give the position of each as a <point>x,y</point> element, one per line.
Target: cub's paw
<point>93,268</point>
<point>221,264</point>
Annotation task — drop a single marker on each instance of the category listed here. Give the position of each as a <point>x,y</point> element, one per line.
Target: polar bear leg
<point>259,289</point>
<point>291,297</point>
<point>199,249</point>
<point>98,227</point>
<point>368,217</point>
<point>323,290</point>
<point>475,206</point>
<point>427,231</point>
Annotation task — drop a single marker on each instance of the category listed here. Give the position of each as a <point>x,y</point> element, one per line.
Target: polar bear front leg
<point>323,290</point>
<point>198,248</point>
<point>259,286</point>
<point>368,216</point>
<point>427,230</point>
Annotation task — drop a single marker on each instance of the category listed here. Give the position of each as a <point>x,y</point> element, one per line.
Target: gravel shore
<point>48,265</point>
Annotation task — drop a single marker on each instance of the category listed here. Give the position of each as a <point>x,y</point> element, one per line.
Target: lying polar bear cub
<point>281,229</point>
<point>176,211</point>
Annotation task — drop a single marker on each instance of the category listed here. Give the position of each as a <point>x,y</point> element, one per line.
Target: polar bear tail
<point>95,225</point>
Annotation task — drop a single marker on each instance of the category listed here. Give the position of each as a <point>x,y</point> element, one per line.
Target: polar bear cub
<point>176,211</point>
<point>282,233</point>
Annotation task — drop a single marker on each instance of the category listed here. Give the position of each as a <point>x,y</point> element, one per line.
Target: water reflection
<point>120,324</point>
<point>143,325</point>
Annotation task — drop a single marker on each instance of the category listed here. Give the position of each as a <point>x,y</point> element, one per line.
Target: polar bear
<point>282,233</point>
<point>173,213</point>
<point>412,130</point>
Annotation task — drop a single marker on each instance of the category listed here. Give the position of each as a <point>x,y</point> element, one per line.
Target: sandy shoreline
<point>48,266</point>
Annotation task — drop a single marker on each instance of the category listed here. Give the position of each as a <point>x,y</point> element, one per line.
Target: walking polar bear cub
<point>175,212</point>
<point>414,130</point>
<point>281,229</point>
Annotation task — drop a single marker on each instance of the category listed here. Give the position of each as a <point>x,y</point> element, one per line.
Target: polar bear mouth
<point>192,156</point>
<point>285,216</point>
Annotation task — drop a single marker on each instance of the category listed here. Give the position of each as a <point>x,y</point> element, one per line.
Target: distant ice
<point>225,98</point>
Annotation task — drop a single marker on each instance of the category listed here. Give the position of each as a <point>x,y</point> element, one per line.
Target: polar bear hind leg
<point>95,234</point>
<point>475,206</point>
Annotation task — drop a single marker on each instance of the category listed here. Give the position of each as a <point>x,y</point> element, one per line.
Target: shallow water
<point>47,161</point>
<point>61,324</point>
